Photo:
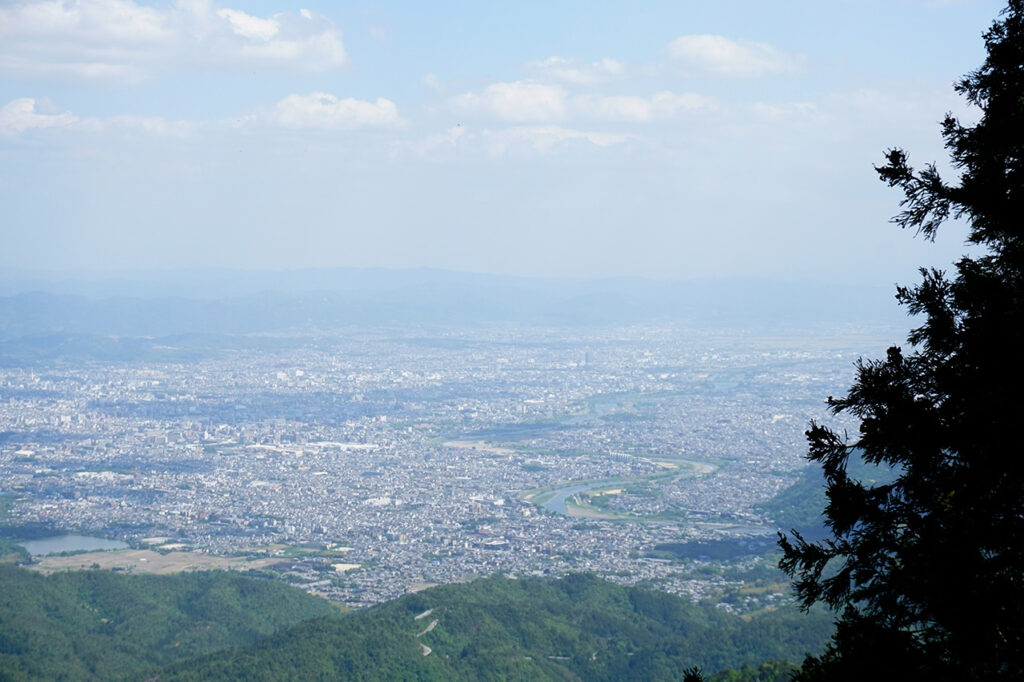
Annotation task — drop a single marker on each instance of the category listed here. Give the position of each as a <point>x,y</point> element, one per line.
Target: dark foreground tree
<point>927,572</point>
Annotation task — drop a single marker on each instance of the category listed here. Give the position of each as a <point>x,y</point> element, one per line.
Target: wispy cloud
<point>26,113</point>
<point>312,112</point>
<point>721,56</point>
<point>529,102</point>
<point>519,101</point>
<point>122,40</point>
<point>659,106</point>
<point>249,26</point>
<point>544,138</point>
<point>577,71</point>
<point>328,112</point>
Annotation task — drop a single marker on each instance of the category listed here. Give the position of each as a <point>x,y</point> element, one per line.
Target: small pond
<point>70,543</point>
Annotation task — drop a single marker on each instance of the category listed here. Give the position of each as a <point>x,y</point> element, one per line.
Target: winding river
<point>557,503</point>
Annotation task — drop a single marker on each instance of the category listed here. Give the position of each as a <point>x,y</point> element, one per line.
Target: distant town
<point>363,465</point>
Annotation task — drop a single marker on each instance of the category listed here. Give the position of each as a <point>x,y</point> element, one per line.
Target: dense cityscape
<point>370,464</point>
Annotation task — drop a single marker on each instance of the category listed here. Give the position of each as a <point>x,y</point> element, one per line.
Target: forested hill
<point>98,625</point>
<point>799,507</point>
<point>579,627</point>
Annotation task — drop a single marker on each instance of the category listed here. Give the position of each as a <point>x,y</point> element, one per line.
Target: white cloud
<point>529,102</point>
<point>449,139</point>
<point>326,111</point>
<point>576,71</point>
<point>722,56</point>
<point>520,101</point>
<point>125,41</point>
<point>111,21</point>
<point>317,52</point>
<point>544,138</point>
<point>249,26</point>
<point>661,105</point>
<point>314,111</point>
<point>26,113</point>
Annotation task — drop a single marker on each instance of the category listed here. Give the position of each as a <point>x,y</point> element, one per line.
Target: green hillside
<point>579,627</point>
<point>800,506</point>
<point>98,625</point>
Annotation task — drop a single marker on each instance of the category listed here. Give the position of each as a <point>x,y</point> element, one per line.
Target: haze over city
<point>385,340</point>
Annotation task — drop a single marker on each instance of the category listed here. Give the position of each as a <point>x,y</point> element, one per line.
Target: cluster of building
<point>374,464</point>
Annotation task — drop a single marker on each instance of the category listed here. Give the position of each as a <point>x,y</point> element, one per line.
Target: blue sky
<point>666,139</point>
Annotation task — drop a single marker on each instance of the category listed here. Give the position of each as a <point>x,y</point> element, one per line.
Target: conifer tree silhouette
<point>927,571</point>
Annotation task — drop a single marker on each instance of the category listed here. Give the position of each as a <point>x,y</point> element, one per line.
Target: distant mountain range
<point>211,301</point>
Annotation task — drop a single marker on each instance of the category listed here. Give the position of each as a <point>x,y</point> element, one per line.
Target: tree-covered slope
<point>98,625</point>
<point>801,505</point>
<point>576,628</point>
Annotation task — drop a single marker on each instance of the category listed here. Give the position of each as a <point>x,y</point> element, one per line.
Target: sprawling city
<point>365,464</point>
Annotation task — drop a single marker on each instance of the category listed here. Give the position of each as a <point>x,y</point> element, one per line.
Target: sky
<point>669,140</point>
